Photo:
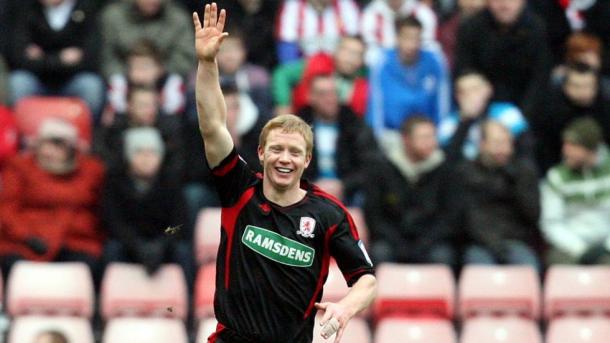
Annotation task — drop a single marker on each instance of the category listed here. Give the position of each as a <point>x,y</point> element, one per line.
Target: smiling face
<point>284,158</point>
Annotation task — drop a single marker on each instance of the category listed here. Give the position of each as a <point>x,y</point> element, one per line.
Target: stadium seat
<point>394,330</point>
<point>25,329</point>
<point>501,330</point>
<point>357,331</point>
<point>145,330</point>
<point>335,287</point>
<point>577,290</point>
<point>492,290</point>
<point>358,217</point>
<point>579,330</point>
<point>128,291</point>
<point>64,288</point>
<point>414,290</point>
<point>30,112</point>
<point>205,285</point>
<point>207,235</point>
<point>207,327</point>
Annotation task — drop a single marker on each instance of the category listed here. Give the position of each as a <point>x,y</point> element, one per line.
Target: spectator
<point>507,43</point>
<point>142,206</point>
<point>460,131</point>
<point>344,145</point>
<point>447,33</point>
<point>51,336</point>
<point>378,27</point>
<point>142,111</point>
<point>579,96</point>
<point>499,203</point>
<point>4,89</point>
<point>54,51</point>
<point>406,204</point>
<point>410,80</point>
<point>575,212</point>
<point>597,18</point>
<point>145,68</point>
<point>49,201</point>
<point>291,81</point>
<point>8,135</point>
<point>306,27</point>
<point>160,21</point>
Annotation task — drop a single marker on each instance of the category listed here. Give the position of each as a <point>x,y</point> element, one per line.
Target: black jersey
<point>273,261</point>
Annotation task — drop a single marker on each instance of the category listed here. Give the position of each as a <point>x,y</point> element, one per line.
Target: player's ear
<point>307,159</point>
<point>261,154</point>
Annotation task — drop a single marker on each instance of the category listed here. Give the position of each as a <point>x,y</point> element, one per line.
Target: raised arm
<point>211,108</point>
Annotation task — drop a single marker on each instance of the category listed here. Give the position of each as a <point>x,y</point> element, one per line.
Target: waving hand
<point>209,36</point>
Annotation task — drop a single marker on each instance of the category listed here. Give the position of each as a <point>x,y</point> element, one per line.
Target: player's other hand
<point>209,36</point>
<point>334,319</point>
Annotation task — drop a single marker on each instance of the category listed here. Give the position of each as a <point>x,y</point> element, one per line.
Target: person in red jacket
<point>49,201</point>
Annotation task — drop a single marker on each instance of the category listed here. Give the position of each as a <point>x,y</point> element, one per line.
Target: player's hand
<point>209,36</point>
<point>334,319</point>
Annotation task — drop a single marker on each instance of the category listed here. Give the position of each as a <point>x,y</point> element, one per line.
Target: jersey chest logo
<point>306,227</point>
<point>277,247</point>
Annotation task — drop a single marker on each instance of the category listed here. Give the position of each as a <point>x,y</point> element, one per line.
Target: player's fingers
<point>196,21</point>
<point>330,328</point>
<point>213,14</point>
<point>220,26</point>
<point>206,16</point>
<point>339,334</point>
<point>222,37</point>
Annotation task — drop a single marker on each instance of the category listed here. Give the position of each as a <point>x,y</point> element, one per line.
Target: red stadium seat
<point>145,330</point>
<point>50,288</point>
<point>357,331</point>
<point>207,235</point>
<point>207,327</point>
<point>500,330</point>
<point>414,290</point>
<point>394,330</point>
<point>577,290</point>
<point>25,329</point>
<point>205,285</point>
<point>507,290</point>
<point>30,112</point>
<point>579,330</point>
<point>128,291</point>
<point>358,217</point>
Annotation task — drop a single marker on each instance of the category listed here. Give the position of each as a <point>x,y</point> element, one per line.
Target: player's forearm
<point>361,295</point>
<point>211,108</point>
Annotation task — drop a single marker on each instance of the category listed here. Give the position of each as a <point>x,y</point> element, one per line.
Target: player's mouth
<point>284,171</point>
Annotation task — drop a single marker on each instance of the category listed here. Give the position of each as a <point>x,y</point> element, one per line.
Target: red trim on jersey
<point>350,220</point>
<point>229,218</point>
<point>358,272</point>
<point>213,337</point>
<point>323,270</point>
<point>224,170</point>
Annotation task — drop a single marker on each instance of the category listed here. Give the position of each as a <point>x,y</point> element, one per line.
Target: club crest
<point>306,227</point>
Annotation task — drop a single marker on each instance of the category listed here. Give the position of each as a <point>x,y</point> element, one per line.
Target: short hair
<point>487,123</point>
<point>470,72</point>
<point>408,125</point>
<point>288,123</point>
<point>408,21</point>
<point>56,336</point>
<point>133,89</point>
<point>354,37</point>
<point>146,48</point>
<point>581,42</point>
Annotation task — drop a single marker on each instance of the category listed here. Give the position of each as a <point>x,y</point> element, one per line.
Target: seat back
<point>579,330</point>
<point>205,286</point>
<point>500,330</point>
<point>145,330</point>
<point>207,235</point>
<point>415,331</point>
<point>25,329</point>
<point>207,327</point>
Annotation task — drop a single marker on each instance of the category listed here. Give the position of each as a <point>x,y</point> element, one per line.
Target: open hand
<point>209,37</point>
<point>334,319</point>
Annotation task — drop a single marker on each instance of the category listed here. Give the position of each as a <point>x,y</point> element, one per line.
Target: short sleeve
<point>349,251</point>
<point>231,178</point>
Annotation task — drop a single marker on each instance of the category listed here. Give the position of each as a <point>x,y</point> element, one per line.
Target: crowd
<point>468,131</point>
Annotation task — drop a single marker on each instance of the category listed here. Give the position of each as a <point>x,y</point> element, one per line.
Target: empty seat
<point>30,112</point>
<point>50,288</point>
<point>207,235</point>
<point>395,330</point>
<point>205,286</point>
<point>577,290</point>
<point>357,331</point>
<point>579,330</point>
<point>128,291</point>
<point>145,330</point>
<point>414,290</point>
<point>485,290</point>
<point>501,330</point>
<point>207,327</point>
<point>25,329</point>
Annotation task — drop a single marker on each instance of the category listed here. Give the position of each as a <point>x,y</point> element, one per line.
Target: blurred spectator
<point>51,336</point>
<point>498,201</point>
<point>507,43</point>
<point>146,68</point>
<point>306,27</point>
<point>575,210</point>
<point>579,96</point>
<point>556,24</point>
<point>49,201</point>
<point>597,18</point>
<point>460,132</point>
<point>447,33</point>
<point>142,207</point>
<point>291,81</point>
<point>4,89</point>
<point>344,145</point>
<point>581,48</point>
<point>8,135</point>
<point>142,111</point>
<point>55,51</point>
<point>162,22</point>
<point>406,200</point>
<point>378,29</point>
<point>409,80</point>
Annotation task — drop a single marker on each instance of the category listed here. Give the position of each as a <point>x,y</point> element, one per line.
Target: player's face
<point>284,158</point>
